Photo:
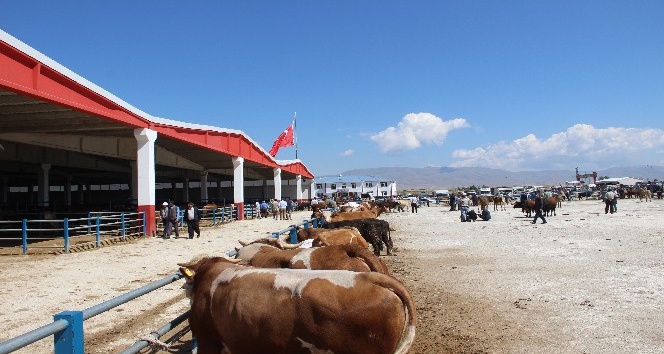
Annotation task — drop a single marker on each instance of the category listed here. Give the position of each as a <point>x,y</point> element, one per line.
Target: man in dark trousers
<point>452,202</point>
<point>538,209</point>
<point>192,218</point>
<point>173,218</point>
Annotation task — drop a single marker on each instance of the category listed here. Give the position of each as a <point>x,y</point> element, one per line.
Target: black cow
<point>376,232</point>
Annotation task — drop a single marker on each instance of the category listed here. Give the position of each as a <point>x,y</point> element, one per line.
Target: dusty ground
<point>585,282</point>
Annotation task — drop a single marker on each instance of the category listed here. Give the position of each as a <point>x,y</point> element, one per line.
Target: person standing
<point>282,209</point>
<point>413,204</point>
<point>538,209</point>
<point>275,209</point>
<point>192,218</point>
<point>173,214</point>
<point>257,210</point>
<point>608,201</point>
<point>165,221</point>
<point>289,209</point>
<point>464,204</point>
<point>452,202</point>
<point>264,208</point>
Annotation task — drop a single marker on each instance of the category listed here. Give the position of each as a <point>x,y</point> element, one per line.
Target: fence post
<point>70,339</point>
<point>142,216</point>
<point>24,226</point>
<point>315,222</point>
<point>89,222</point>
<point>98,236</point>
<point>214,216</point>
<point>293,234</point>
<point>66,228</point>
<point>122,220</point>
<point>306,223</point>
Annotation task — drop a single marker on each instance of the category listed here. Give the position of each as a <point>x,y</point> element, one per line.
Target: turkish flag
<point>286,138</point>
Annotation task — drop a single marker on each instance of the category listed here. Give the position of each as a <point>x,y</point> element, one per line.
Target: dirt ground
<point>585,282</point>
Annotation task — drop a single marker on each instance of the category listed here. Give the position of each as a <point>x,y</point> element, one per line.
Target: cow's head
<point>189,269</point>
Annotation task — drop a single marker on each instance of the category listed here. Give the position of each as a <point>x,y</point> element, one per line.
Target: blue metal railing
<point>99,224</point>
<point>67,327</point>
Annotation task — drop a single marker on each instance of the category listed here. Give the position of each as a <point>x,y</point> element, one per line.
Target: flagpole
<point>295,134</point>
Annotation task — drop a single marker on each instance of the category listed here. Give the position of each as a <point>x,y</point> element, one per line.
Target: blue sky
<point>518,85</point>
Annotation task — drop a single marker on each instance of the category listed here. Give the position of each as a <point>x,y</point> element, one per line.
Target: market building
<point>67,143</point>
<point>354,186</point>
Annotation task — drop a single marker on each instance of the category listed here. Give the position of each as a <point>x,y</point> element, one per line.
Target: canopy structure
<point>55,123</point>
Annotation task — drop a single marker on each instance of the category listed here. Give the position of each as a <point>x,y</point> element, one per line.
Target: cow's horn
<point>288,246</point>
<point>243,243</point>
<point>233,260</point>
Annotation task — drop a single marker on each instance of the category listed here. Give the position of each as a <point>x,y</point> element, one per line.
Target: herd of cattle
<point>334,296</point>
<point>326,294</point>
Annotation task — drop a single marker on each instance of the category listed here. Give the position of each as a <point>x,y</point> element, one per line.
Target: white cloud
<point>347,153</point>
<point>578,144</point>
<point>414,130</point>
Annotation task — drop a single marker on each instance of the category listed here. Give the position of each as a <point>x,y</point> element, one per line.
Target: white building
<point>354,186</point>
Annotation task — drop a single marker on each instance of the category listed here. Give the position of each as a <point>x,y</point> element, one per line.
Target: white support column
<point>238,180</point>
<point>298,187</point>
<point>204,189</point>
<point>134,182</point>
<point>44,185</point>
<point>146,176</point>
<point>277,183</point>
<point>238,186</point>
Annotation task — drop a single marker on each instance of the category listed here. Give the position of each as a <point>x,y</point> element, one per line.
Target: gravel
<point>585,282</point>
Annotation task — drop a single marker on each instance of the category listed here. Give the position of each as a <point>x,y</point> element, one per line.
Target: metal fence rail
<point>99,224</point>
<point>67,327</point>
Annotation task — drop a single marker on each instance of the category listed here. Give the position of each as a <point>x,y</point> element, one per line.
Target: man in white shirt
<point>282,209</point>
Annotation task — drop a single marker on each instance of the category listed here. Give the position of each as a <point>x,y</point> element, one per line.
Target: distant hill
<point>452,177</point>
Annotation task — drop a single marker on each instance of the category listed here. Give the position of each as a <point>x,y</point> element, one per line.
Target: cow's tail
<point>408,333</point>
<point>373,262</point>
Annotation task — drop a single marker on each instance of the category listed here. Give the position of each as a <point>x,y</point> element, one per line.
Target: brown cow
<point>498,200</point>
<point>549,205</point>
<point>483,202</point>
<point>313,233</point>
<point>247,310</point>
<point>341,257</point>
<point>526,207</point>
<point>353,215</point>
<point>341,236</point>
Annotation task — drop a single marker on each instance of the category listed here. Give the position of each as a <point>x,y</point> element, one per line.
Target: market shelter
<point>59,129</point>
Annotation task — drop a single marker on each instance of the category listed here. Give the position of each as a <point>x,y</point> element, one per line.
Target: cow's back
<point>287,311</point>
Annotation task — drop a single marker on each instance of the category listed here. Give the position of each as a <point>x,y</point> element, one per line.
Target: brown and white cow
<point>313,233</point>
<point>498,200</point>
<point>247,310</point>
<point>352,215</point>
<point>341,257</point>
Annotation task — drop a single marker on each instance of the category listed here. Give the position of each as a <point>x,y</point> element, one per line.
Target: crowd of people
<point>170,218</point>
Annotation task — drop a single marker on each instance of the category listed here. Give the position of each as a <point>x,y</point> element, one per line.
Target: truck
<point>442,195</point>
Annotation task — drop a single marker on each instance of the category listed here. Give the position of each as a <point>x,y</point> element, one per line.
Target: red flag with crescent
<point>286,138</point>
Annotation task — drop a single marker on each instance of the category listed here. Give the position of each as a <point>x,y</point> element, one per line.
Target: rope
<point>153,341</point>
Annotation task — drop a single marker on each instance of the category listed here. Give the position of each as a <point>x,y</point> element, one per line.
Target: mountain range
<point>453,177</point>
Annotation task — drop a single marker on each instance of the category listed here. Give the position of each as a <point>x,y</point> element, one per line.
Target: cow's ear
<point>187,272</point>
